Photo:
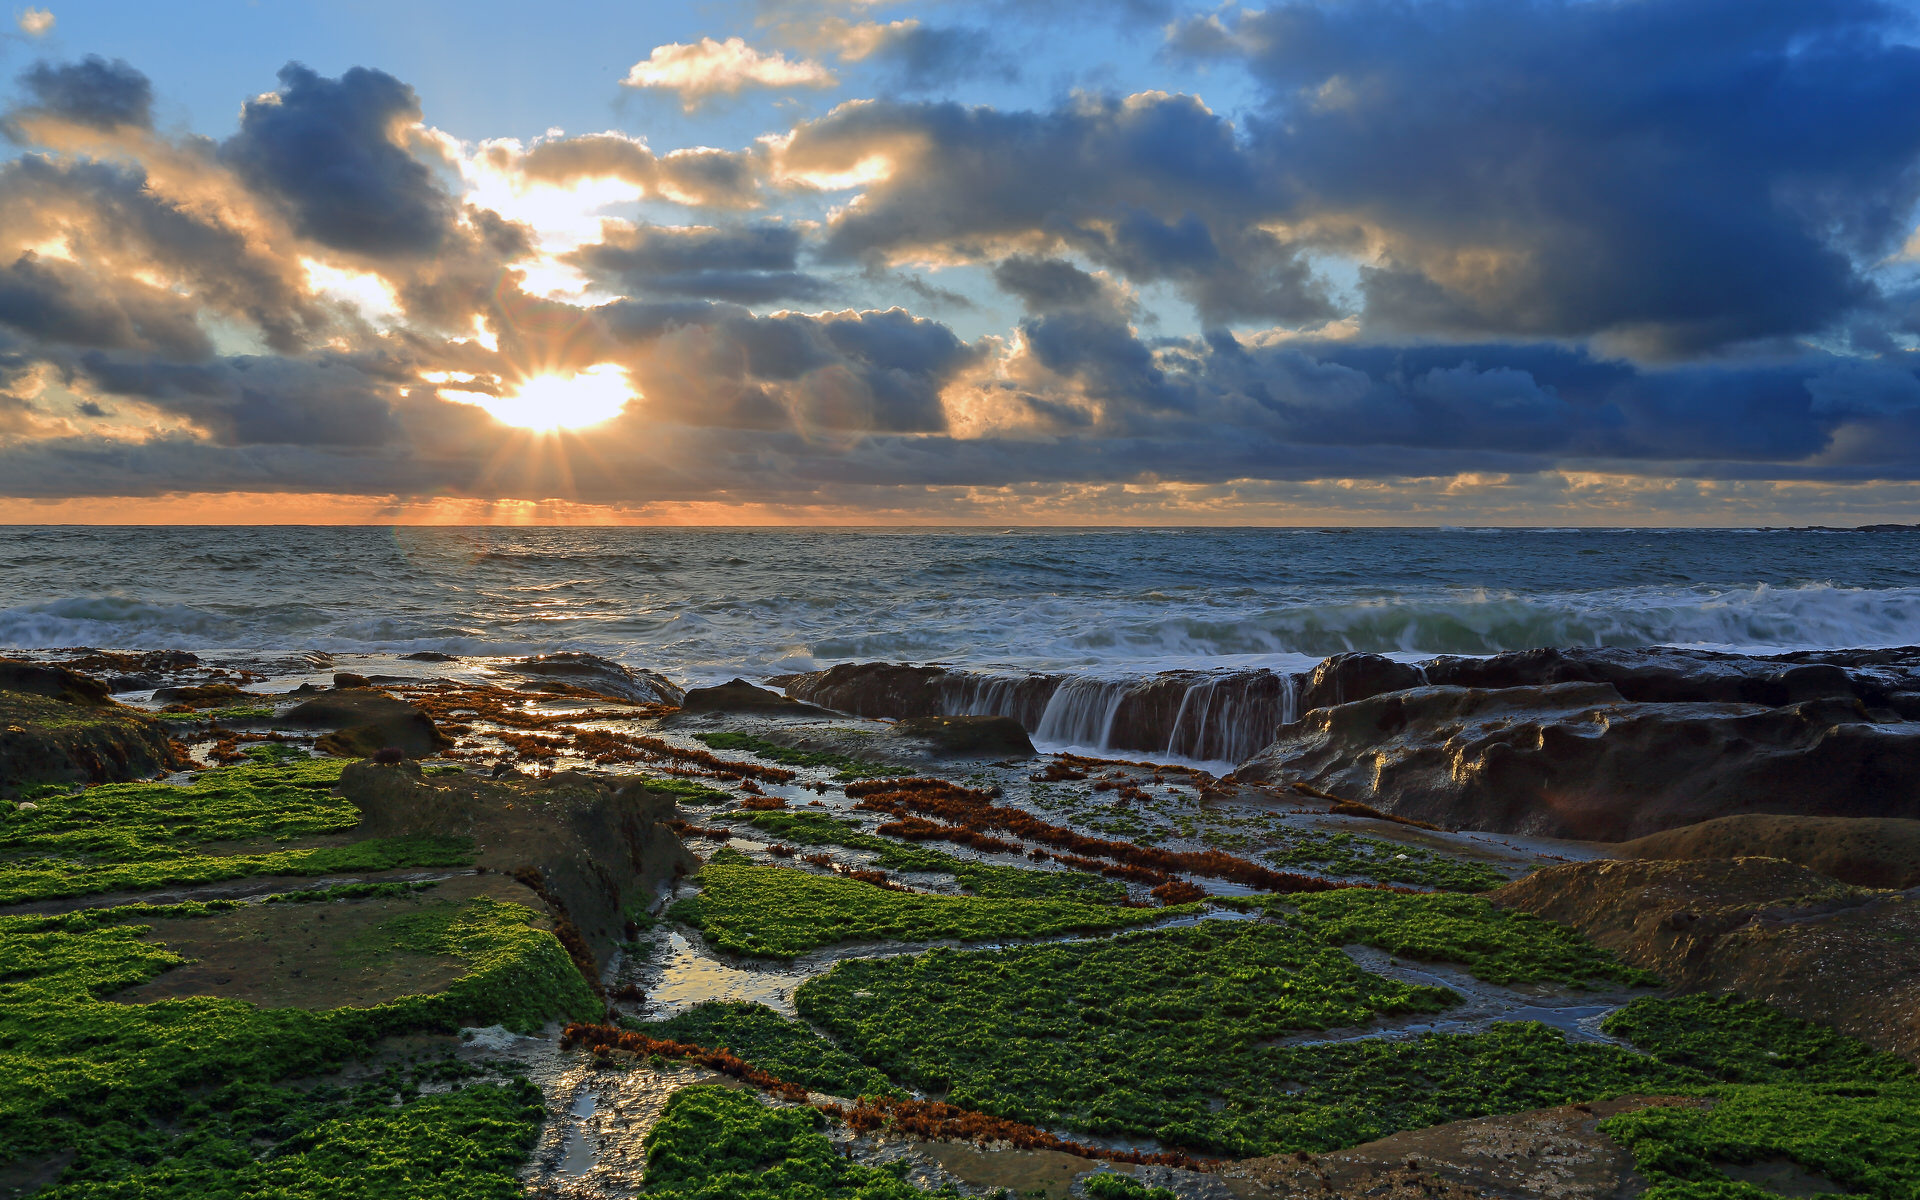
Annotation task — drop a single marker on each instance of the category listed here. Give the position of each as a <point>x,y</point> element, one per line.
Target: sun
<point>546,403</point>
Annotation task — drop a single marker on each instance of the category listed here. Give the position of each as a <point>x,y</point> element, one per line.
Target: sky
<point>1375,262</point>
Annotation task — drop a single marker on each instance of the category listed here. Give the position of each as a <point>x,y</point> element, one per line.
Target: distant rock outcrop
<point>572,670</point>
<point>1578,760</point>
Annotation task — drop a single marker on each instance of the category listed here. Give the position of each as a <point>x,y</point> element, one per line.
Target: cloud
<point>334,151</point>
<point>701,176</point>
<point>919,57</point>
<point>35,22</point>
<point>702,70</point>
<point>749,264</point>
<point>1672,177</point>
<point>92,92</point>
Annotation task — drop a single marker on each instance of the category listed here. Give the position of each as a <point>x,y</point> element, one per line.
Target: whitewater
<point>707,604</point>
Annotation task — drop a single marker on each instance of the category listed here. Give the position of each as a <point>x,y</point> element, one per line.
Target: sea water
<point>708,604</point>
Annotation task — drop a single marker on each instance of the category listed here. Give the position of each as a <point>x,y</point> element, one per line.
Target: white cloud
<point>35,21</point>
<point>708,68</point>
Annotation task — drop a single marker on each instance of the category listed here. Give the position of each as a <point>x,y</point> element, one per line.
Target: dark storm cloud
<point>119,223</point>
<point>331,151</point>
<point>94,91</point>
<point>1155,186</point>
<point>748,265</point>
<point>250,401</point>
<point>56,302</point>
<point>1679,175</point>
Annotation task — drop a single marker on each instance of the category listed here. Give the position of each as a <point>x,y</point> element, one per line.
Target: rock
<point>969,737</point>
<point>205,695</point>
<point>571,671</point>
<point>596,852</point>
<point>739,696</point>
<point>149,662</point>
<point>1665,675</point>
<point>893,690</point>
<point>58,683</point>
<point>1345,678</point>
<point>430,656</point>
<point>1767,929</point>
<point>366,720</point>
<point>44,739</point>
<point>1867,851</point>
<point>131,683</point>
<point>1577,760</point>
<point>347,679</point>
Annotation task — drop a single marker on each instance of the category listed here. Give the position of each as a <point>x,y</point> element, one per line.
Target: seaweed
<point>1495,945</point>
<point>766,1040</point>
<point>783,912</point>
<point>982,879</point>
<point>717,1143</point>
<point>118,1083</point>
<point>1384,862</point>
<point>846,766</point>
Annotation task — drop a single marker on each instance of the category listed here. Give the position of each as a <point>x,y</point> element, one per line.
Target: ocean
<point>706,604</point>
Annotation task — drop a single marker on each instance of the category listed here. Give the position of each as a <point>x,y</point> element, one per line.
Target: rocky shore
<point>1628,919</point>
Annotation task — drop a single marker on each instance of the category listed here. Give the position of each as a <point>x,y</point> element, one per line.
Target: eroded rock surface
<point>594,852</point>
<point>1578,760</point>
<point>1767,929</point>
<point>1869,851</point>
<point>60,727</point>
<point>739,696</point>
<point>366,720</point>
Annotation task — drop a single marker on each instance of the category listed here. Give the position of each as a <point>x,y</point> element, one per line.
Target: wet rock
<point>1764,928</point>
<point>46,739</point>
<point>597,853</point>
<point>131,683</point>
<point>1578,760</point>
<point>573,671</point>
<point>430,656</point>
<point>58,683</point>
<point>1664,675</point>
<point>207,695</point>
<point>347,679</point>
<point>366,720</point>
<point>968,737</point>
<point>894,690</point>
<point>739,696</point>
<point>1345,678</point>
<point>1867,851</point>
<point>148,662</point>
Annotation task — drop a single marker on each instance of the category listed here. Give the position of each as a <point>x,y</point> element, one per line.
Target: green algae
<point>1382,861</point>
<point>719,1143</point>
<point>780,912</point>
<point>1111,1185</point>
<point>1746,1041</point>
<point>130,836</point>
<point>982,879</point>
<point>1864,1139</point>
<point>688,791</point>
<point>236,712</point>
<point>1494,945</point>
<point>774,1044</point>
<point>118,1083</point>
<point>847,766</point>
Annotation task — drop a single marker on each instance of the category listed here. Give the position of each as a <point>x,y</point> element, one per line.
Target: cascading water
<point>1207,717</point>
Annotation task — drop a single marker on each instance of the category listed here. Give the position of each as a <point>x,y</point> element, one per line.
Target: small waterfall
<point>1081,711</point>
<point>1183,714</point>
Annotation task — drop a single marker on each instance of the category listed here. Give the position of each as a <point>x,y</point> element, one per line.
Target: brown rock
<point>969,737</point>
<point>1576,760</point>
<point>365,720</point>
<point>1868,851</point>
<point>739,696</point>
<point>596,851</point>
<point>1844,956</point>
